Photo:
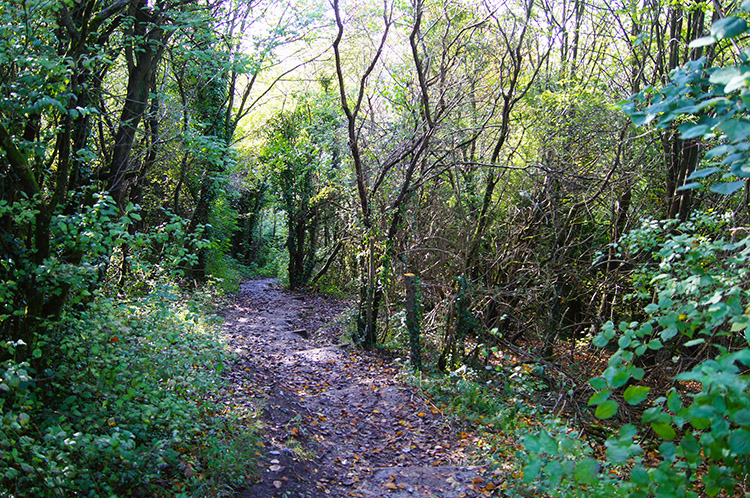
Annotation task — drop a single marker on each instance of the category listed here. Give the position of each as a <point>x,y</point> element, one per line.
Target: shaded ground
<point>337,421</point>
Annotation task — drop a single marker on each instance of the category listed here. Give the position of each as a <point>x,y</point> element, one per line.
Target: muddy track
<point>337,420</point>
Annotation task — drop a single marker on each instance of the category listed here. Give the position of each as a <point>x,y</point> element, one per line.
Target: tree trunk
<point>143,59</point>
<point>412,319</point>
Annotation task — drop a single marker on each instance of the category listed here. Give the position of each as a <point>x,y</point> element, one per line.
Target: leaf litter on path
<point>337,421</point>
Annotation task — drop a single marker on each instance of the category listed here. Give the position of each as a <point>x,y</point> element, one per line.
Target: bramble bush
<point>696,326</point>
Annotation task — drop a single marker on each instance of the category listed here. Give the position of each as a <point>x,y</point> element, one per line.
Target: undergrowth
<point>120,400</point>
<point>498,404</point>
<point>688,439</point>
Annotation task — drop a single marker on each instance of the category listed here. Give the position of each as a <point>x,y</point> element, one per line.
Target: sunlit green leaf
<point>664,430</point>
<point>599,398</point>
<point>606,410</point>
<point>636,394</point>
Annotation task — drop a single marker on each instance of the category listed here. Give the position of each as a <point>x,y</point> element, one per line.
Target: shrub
<point>123,405</point>
<point>116,394</point>
<point>696,322</point>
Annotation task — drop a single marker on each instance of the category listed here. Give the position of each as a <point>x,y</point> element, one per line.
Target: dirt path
<point>337,421</point>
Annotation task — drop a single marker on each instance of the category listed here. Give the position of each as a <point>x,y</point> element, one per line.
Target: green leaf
<point>694,342</point>
<point>622,448</point>
<point>690,186</point>
<point>739,81</point>
<point>700,423</point>
<point>719,150</point>
<point>598,383</point>
<point>531,444</point>
<point>703,173</point>
<point>724,75</point>
<point>636,394</point>
<point>600,341</point>
<point>599,398</point>
<point>690,446</point>
<point>554,471</point>
<point>711,487</point>
<point>606,410</point>
<point>586,471</point>
<point>651,308</point>
<point>641,118</point>
<point>640,476</point>
<point>702,42</point>
<point>668,451</point>
<point>727,188</point>
<point>531,471</point>
<point>655,344</point>
<point>620,379</point>
<point>668,333</point>
<point>665,431</point>
<point>674,402</point>
<point>694,130</point>
<point>637,373</point>
<point>736,130</point>
<point>739,442</point>
<point>729,27</point>
<point>742,417</point>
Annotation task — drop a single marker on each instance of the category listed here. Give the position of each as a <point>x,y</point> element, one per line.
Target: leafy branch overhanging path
<point>337,420</point>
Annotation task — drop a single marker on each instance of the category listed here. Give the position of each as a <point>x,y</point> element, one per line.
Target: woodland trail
<point>337,421</point>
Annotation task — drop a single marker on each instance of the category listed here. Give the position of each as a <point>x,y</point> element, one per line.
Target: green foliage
<point>122,404</point>
<point>696,322</point>
<point>708,103</point>
<point>495,399</point>
<point>301,157</point>
<point>559,462</point>
<point>223,268</point>
<point>166,252</point>
<point>113,396</point>
<point>79,254</point>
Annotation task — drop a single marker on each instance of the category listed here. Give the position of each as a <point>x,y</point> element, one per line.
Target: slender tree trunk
<point>143,59</point>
